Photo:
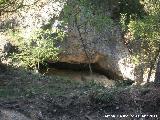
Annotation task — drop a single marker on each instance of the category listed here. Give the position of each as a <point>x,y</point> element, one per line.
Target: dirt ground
<point>40,97</point>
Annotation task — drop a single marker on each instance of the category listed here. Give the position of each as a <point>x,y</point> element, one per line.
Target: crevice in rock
<point>84,67</point>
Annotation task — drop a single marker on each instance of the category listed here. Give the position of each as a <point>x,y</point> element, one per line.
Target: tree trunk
<point>138,73</point>
<point>157,75</point>
<point>82,40</point>
<point>153,62</point>
<point>150,72</point>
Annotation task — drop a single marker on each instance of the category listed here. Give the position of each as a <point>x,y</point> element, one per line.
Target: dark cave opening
<point>82,67</point>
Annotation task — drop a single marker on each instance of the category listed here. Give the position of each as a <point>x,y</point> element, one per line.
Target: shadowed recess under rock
<point>81,67</point>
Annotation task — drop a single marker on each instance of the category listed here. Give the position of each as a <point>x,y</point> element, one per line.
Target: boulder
<point>106,51</point>
<point>11,115</point>
<point>5,45</point>
<point>5,48</point>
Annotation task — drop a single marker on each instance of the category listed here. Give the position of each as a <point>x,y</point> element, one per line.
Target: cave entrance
<point>79,68</point>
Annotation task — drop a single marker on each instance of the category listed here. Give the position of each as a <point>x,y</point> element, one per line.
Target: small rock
<point>12,115</point>
<point>5,45</point>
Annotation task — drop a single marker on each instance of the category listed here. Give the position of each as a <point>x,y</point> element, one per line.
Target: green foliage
<point>145,34</point>
<point>147,28</point>
<point>10,6</point>
<point>148,33</point>
<point>123,23</point>
<point>152,6</point>
<point>24,84</point>
<point>131,8</point>
<point>39,48</point>
<point>106,96</point>
<point>101,13</point>
<point>3,1</point>
<point>86,13</point>
<point>123,83</point>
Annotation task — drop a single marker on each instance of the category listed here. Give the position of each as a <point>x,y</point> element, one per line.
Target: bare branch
<point>84,46</point>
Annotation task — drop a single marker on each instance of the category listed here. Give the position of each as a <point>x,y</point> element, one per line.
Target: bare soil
<point>54,98</point>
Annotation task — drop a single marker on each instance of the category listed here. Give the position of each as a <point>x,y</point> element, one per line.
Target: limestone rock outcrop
<point>106,50</point>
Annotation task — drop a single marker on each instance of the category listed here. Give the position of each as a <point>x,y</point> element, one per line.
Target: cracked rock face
<point>106,50</point>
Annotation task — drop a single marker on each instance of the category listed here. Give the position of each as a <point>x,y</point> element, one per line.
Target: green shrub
<point>103,95</point>
<point>39,48</point>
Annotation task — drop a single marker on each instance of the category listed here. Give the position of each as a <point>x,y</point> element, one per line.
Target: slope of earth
<point>37,97</point>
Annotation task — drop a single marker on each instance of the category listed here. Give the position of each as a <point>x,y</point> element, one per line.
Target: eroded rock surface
<point>106,50</point>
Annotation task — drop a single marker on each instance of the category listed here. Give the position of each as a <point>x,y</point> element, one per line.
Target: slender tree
<point>157,75</point>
